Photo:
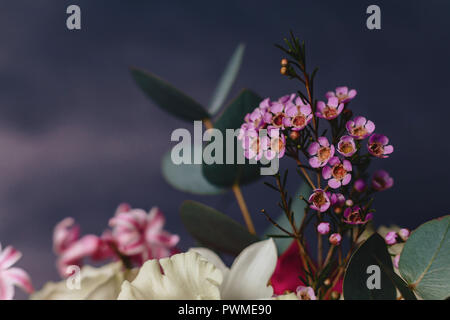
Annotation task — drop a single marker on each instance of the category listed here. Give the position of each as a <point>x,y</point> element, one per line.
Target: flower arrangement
<point>332,147</point>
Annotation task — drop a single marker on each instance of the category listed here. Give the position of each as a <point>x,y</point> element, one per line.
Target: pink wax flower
<point>305,293</point>
<point>335,239</point>
<point>253,145</point>
<point>396,260</point>
<point>330,110</point>
<point>346,146</point>
<point>319,200</point>
<point>359,185</point>
<point>274,145</point>
<point>342,93</point>
<point>10,277</point>
<point>391,238</point>
<point>276,118</point>
<point>338,171</point>
<point>298,115</point>
<point>354,215</point>
<point>337,199</point>
<point>382,181</point>
<point>141,235</point>
<point>404,234</point>
<point>323,228</point>
<point>378,146</point>
<point>321,151</point>
<point>360,128</point>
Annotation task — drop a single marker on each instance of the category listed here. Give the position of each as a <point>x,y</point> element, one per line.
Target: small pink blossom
<point>298,115</point>
<point>360,185</point>
<point>274,145</point>
<point>346,146</point>
<point>141,235</point>
<point>321,151</point>
<point>330,110</point>
<point>382,180</point>
<point>323,228</point>
<point>337,199</point>
<point>335,239</point>
<point>10,277</point>
<point>305,293</point>
<point>404,234</point>
<point>378,146</point>
<point>338,172</point>
<point>319,200</point>
<point>360,128</point>
<point>253,145</point>
<point>391,238</point>
<point>354,215</point>
<point>342,93</point>
<point>396,260</point>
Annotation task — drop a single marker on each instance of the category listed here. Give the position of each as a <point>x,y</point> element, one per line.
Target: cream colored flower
<point>187,276</point>
<point>96,284</point>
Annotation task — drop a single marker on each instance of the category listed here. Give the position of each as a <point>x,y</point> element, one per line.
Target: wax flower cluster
<point>340,160</point>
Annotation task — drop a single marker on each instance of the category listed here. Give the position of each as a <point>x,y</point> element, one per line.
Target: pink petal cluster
<point>404,234</point>
<point>338,172</point>
<point>12,276</point>
<point>141,236</point>
<point>331,110</point>
<point>346,146</point>
<point>323,228</point>
<point>354,215</point>
<point>321,152</point>
<point>335,239</point>
<point>378,146</point>
<point>391,238</point>
<point>298,115</point>
<point>319,200</point>
<point>342,93</point>
<point>305,293</point>
<point>360,128</point>
<point>382,180</point>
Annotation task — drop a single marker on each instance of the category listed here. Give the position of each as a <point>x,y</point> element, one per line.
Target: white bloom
<point>201,274</point>
<point>96,284</point>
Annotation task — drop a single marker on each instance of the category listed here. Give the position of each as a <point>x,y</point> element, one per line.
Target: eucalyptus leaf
<point>425,260</point>
<point>214,229</point>
<point>372,252</point>
<point>227,79</point>
<point>168,97</point>
<point>226,175</point>
<point>298,207</point>
<point>187,177</point>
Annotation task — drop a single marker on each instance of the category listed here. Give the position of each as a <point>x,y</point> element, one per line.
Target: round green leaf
<point>214,229</point>
<point>168,97</point>
<point>373,252</point>
<point>425,259</point>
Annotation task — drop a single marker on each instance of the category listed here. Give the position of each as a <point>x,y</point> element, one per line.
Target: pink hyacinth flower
<point>391,238</point>
<point>141,235</point>
<point>338,172</point>
<point>378,146</point>
<point>298,115</point>
<point>330,110</point>
<point>65,234</point>
<point>335,239</point>
<point>346,146</point>
<point>354,216</point>
<point>10,277</point>
<point>319,200</point>
<point>382,180</point>
<point>360,128</point>
<point>342,93</point>
<point>321,151</point>
<point>323,228</point>
<point>305,293</point>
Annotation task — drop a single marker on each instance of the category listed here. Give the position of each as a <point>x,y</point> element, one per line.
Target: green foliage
<point>372,252</point>
<point>214,229</point>
<point>425,259</point>
<point>226,175</point>
<point>168,97</point>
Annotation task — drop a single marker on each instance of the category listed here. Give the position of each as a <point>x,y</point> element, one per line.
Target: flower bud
<point>294,135</point>
<point>335,239</point>
<point>323,228</point>
<point>349,203</point>
<point>404,234</point>
<point>327,282</point>
<point>391,238</point>
<point>284,62</point>
<point>283,70</point>
<point>335,295</point>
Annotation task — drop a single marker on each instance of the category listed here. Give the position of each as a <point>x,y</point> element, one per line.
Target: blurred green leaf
<point>227,79</point>
<point>168,97</point>
<point>298,206</point>
<point>214,229</point>
<point>187,177</point>
<point>425,260</point>
<point>372,252</point>
<point>225,175</point>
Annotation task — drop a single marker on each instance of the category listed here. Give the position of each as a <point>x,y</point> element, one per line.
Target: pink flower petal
<point>20,278</point>
<point>8,257</point>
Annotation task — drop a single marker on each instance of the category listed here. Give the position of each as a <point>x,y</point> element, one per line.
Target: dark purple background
<point>77,137</point>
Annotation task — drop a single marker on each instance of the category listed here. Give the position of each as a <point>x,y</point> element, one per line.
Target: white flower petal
<point>187,276</point>
<point>212,257</point>
<point>250,273</point>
